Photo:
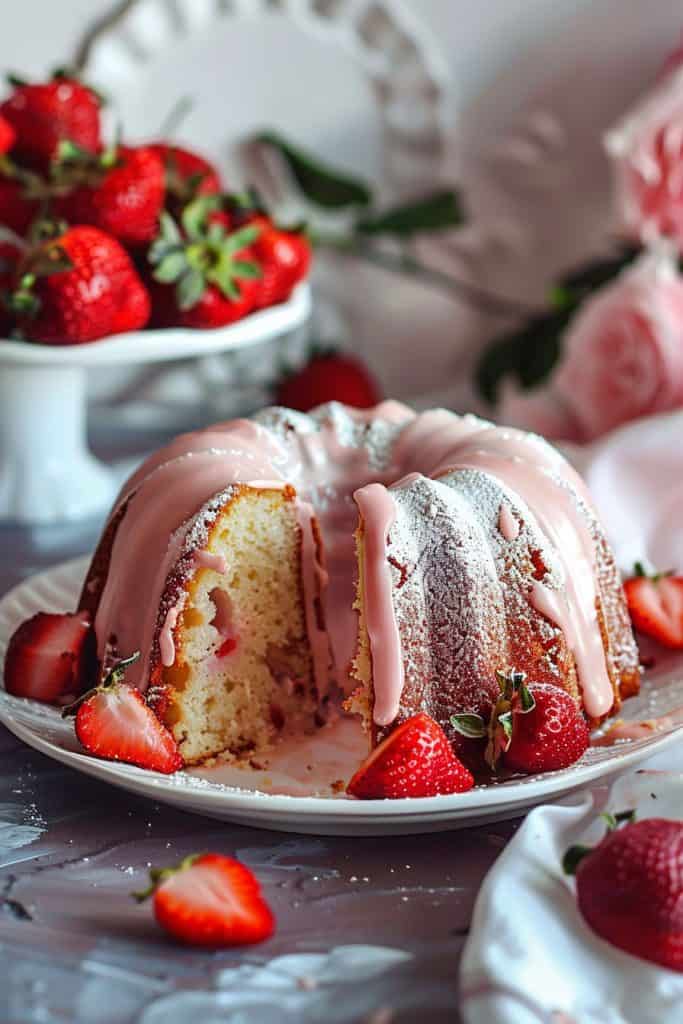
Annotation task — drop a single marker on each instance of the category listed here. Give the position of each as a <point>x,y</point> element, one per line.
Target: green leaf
<point>526,699</point>
<point>241,238</point>
<point>573,858</point>
<point>171,267</point>
<point>320,183</point>
<point>528,353</point>
<point>591,276</point>
<point>247,269</point>
<point>505,722</point>
<point>170,232</point>
<point>195,214</point>
<point>160,249</point>
<point>190,288</point>
<point>436,212</point>
<point>470,725</point>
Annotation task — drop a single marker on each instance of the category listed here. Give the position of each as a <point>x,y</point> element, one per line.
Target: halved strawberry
<point>46,657</point>
<point>210,900</point>
<point>415,760</point>
<point>656,606</point>
<point>115,722</point>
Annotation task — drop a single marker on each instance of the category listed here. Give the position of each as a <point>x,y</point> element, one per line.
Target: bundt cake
<point>265,567</point>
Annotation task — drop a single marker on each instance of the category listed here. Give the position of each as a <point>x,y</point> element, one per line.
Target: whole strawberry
<point>415,760</point>
<point>44,115</point>
<point>188,174</point>
<point>210,900</point>
<point>328,377</point>
<point>533,728</point>
<point>205,276</point>
<point>630,888</point>
<point>121,192</point>
<point>7,136</point>
<point>77,288</point>
<point>284,257</point>
<point>17,209</point>
<point>655,603</point>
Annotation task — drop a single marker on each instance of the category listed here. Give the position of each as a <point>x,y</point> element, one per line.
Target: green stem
<point>478,298</point>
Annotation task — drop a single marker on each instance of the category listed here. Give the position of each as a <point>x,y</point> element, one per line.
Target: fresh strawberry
<point>47,657</point>
<point>210,900</point>
<point>45,114</point>
<point>656,606</point>
<point>630,888</point>
<point>17,209</point>
<point>7,136</point>
<point>213,275</point>
<point>114,721</point>
<point>415,760</point>
<point>79,287</point>
<point>284,257</point>
<point>121,192</point>
<point>187,174</point>
<point>328,377</point>
<point>533,728</point>
<point>10,256</point>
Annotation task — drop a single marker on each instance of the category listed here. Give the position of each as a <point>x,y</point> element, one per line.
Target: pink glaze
<point>639,730</point>
<point>327,466</point>
<point>507,524</point>
<point>314,581</point>
<point>500,453</point>
<point>378,513</point>
<point>166,641</point>
<point>207,560</point>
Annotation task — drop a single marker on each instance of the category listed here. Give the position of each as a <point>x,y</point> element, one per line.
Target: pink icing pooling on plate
<point>642,730</point>
<point>378,513</point>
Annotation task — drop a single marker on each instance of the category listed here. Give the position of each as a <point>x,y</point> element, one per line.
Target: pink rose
<point>623,351</point>
<point>646,147</point>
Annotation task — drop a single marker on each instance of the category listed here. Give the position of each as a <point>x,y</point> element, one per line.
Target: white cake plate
<point>297,788</point>
<point>47,473</point>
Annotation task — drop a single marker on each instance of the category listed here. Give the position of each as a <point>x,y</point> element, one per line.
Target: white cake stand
<point>47,473</point>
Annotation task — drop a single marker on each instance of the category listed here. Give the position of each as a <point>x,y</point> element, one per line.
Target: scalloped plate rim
<point>301,813</point>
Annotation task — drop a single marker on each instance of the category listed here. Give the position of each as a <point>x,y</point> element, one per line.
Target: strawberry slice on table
<point>210,900</point>
<point>629,887</point>
<point>328,377</point>
<point>415,760</point>
<point>534,727</point>
<point>47,657</point>
<point>655,603</point>
<point>115,722</point>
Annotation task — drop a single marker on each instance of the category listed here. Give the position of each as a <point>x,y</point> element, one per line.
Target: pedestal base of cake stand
<point>47,472</point>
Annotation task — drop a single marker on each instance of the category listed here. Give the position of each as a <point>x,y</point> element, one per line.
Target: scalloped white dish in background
<point>287,794</point>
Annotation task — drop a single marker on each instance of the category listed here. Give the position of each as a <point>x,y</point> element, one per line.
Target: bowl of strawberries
<point>114,255</point>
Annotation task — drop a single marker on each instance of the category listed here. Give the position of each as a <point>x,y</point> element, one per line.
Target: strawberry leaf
<point>321,184</point>
<point>171,268</point>
<point>242,238</point>
<point>470,725</point>
<point>573,858</point>
<point>505,722</point>
<point>436,212</point>
<point>247,269</point>
<point>190,289</point>
<point>195,214</point>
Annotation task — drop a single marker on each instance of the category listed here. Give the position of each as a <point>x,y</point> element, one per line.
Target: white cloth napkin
<point>530,957</point>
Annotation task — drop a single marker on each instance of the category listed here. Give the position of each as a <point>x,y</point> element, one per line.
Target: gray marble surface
<point>369,930</point>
